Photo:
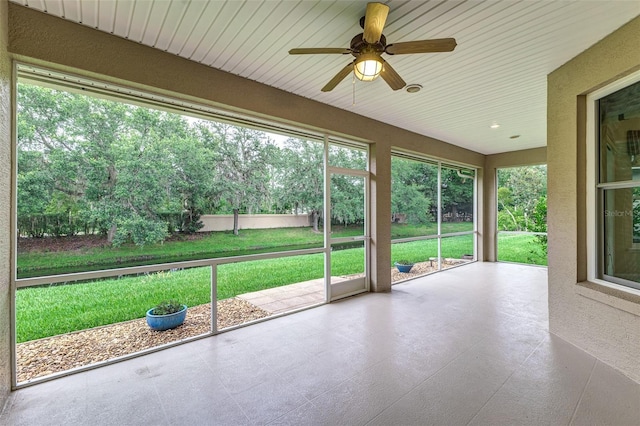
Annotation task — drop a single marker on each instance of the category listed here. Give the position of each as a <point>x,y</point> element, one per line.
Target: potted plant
<point>166,315</point>
<point>404,265</point>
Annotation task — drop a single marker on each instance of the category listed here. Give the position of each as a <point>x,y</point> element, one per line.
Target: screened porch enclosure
<point>111,188</point>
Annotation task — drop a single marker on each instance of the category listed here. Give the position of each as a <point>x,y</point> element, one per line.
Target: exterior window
<point>618,187</point>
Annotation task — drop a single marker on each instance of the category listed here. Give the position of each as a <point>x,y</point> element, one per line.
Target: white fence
<point>224,222</point>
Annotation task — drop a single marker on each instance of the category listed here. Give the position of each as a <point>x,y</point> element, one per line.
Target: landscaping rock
<point>42,357</point>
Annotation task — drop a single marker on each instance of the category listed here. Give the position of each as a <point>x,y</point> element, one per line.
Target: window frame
<point>595,190</point>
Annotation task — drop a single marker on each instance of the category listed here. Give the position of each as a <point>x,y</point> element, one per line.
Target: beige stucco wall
<point>5,197</point>
<point>224,222</point>
<point>526,157</point>
<point>604,322</point>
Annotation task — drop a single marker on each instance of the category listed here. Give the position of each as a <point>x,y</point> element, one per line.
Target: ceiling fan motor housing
<point>359,45</point>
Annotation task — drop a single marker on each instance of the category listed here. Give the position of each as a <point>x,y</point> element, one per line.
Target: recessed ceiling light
<point>494,126</point>
<point>413,88</point>
<point>514,137</point>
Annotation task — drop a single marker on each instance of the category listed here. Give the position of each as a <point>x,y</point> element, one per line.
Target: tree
<point>300,178</point>
<point>408,191</point>
<point>105,162</point>
<point>243,161</point>
<point>347,199</point>
<point>456,193</point>
<point>520,189</point>
<point>192,186</point>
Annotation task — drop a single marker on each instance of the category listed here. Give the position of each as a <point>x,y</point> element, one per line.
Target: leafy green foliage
<point>90,165</point>
<point>167,307</point>
<point>412,188</point>
<point>414,192</point>
<point>520,190</point>
<point>522,205</point>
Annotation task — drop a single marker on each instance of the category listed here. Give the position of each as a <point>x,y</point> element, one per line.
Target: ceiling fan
<point>367,47</point>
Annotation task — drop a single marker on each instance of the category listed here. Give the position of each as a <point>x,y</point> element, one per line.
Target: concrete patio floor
<point>467,346</point>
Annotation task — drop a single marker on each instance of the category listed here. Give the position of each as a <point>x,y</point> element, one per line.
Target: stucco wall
<point>224,222</point>
<point>526,157</point>
<point>603,322</point>
<point>5,197</point>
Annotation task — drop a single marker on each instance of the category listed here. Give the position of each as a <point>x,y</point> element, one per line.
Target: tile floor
<point>467,346</point>
<point>289,297</point>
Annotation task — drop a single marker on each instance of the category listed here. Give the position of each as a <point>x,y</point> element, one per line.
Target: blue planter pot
<point>166,322</point>
<point>404,268</point>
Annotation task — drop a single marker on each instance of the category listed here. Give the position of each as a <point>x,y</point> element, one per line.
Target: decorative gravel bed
<point>424,268</point>
<point>42,357</point>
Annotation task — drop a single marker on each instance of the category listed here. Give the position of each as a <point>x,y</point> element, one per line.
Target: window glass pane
<point>414,198</point>
<point>103,184</point>
<point>457,199</point>
<point>620,135</point>
<point>621,219</point>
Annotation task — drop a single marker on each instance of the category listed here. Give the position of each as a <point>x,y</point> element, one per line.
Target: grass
<point>213,245</point>
<point>57,309</point>
<point>520,248</point>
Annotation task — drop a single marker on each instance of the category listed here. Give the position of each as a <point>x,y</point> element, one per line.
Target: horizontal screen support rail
<point>522,233</point>
<point>106,273</point>
<point>618,185</point>
<point>432,237</point>
<point>348,239</point>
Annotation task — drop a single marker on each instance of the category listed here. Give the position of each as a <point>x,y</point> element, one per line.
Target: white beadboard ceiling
<point>497,73</point>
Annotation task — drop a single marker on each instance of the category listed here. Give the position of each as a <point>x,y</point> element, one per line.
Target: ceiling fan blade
<point>392,78</point>
<point>374,19</point>
<point>338,78</point>
<point>316,50</point>
<point>422,46</point>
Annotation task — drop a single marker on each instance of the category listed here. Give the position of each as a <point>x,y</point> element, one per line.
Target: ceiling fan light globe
<point>367,67</point>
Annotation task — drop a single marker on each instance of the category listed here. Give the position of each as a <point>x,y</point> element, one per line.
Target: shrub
<point>167,307</point>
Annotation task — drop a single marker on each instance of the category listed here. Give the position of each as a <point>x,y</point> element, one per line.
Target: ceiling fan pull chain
<point>353,102</point>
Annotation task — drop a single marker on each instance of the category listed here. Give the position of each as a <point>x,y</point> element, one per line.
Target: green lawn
<point>520,248</point>
<point>216,244</point>
<point>50,310</point>
<point>213,245</point>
